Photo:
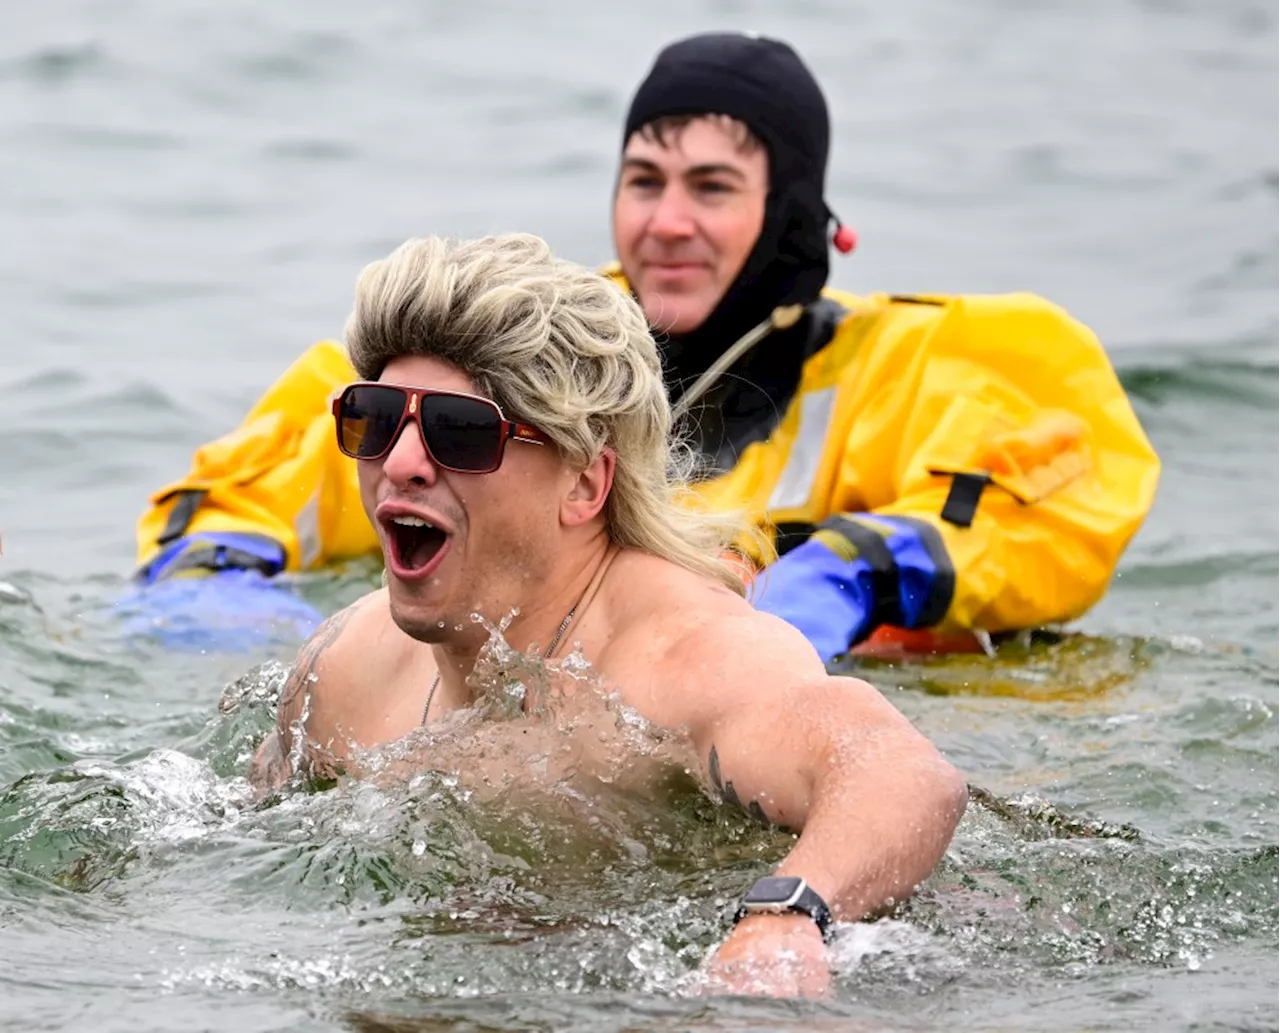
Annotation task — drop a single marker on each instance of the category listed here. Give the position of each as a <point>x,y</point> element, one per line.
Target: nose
<point>408,464</point>
<point>672,217</point>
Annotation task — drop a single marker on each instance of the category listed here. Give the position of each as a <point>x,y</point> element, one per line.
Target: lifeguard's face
<point>688,210</point>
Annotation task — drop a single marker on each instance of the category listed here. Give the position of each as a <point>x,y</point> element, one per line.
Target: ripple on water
<point>56,64</point>
<point>433,893</point>
<point>1092,902</point>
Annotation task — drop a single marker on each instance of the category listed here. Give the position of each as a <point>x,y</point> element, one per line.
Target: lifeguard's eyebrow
<point>713,169</point>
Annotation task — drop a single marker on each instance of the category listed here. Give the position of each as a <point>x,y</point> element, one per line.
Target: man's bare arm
<point>874,802</point>
<point>272,764</point>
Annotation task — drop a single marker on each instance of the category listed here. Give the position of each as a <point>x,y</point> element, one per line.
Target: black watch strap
<point>785,894</point>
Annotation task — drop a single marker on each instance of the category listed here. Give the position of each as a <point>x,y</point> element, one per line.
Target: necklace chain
<point>555,641</point>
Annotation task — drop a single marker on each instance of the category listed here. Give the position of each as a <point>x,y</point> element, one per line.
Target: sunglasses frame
<point>508,430</point>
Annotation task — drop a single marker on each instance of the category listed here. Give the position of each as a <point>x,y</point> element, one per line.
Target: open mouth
<point>414,541</point>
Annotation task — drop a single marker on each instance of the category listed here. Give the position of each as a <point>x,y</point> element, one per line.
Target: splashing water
<point>538,726</point>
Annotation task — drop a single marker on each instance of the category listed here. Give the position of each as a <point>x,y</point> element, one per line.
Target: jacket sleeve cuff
<point>210,552</point>
<point>911,577</point>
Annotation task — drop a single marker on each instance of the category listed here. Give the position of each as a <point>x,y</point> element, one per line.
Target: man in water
<point>512,443</point>
<point>930,470</point>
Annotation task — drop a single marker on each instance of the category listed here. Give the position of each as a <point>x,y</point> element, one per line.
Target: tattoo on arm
<point>729,794</point>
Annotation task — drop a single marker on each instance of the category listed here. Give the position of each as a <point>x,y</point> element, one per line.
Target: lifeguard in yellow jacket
<point>927,468</point>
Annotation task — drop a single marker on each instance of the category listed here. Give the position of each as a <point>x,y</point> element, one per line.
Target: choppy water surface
<point>190,191</point>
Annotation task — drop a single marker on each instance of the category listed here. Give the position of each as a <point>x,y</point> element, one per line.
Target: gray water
<point>189,190</point>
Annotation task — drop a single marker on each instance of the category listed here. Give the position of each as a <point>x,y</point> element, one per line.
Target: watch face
<point>773,889</point>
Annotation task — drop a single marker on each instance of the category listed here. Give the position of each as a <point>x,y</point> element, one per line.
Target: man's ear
<point>589,490</point>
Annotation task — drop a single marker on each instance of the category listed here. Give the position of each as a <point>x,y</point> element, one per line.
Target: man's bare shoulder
<point>657,584</point>
<point>330,665</point>
<point>749,668</point>
<point>354,648</point>
<point>745,643</point>
<point>661,591</point>
<point>652,601</point>
<point>679,626</point>
<point>345,635</point>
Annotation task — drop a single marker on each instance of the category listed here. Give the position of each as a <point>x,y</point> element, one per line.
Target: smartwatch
<point>785,894</point>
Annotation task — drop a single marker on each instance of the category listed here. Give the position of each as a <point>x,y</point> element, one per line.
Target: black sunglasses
<point>461,432</point>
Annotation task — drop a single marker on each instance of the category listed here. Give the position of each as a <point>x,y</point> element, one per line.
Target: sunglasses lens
<point>368,416</point>
<point>464,434</point>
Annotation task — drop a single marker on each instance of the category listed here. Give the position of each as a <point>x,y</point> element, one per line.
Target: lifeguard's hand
<point>770,956</point>
<point>827,597</point>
